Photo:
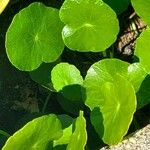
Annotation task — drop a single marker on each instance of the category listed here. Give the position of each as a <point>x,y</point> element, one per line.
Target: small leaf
<point>114,96</point>
<point>79,137</point>
<point>3,4</point>
<point>142,49</point>
<point>142,9</point>
<point>65,74</point>
<point>67,131</point>
<point>36,135</point>
<point>90,26</point>
<point>34,36</point>
<point>118,5</point>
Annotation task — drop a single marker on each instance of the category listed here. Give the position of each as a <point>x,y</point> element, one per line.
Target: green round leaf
<point>118,5</point>
<point>142,9</point>
<point>142,49</point>
<point>100,73</point>
<point>34,36</point>
<point>36,135</point>
<point>114,96</point>
<point>91,25</point>
<point>65,74</point>
<point>79,137</point>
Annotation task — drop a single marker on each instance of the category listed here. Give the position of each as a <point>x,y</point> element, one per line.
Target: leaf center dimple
<point>36,38</point>
<point>88,25</point>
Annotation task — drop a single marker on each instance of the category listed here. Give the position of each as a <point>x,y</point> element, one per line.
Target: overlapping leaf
<point>36,135</point>
<point>79,137</point>
<point>108,91</point>
<point>65,74</point>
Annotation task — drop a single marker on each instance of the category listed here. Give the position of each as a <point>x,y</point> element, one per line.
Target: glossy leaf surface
<point>65,74</point>
<point>79,137</point>
<point>142,49</point>
<point>142,9</point>
<point>36,135</point>
<point>90,26</point>
<point>67,124</point>
<point>34,36</point>
<point>113,96</point>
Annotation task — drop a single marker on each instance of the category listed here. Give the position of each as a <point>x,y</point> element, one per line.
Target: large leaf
<point>90,26</point>
<point>118,5</point>
<point>3,4</point>
<point>65,74</point>
<point>34,36</point>
<point>142,9</point>
<point>142,49</point>
<point>79,137</point>
<point>100,73</point>
<point>36,135</point>
<point>113,96</point>
<point>67,124</point>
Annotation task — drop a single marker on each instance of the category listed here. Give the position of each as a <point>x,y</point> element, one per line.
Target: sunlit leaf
<point>36,135</point>
<point>113,97</point>
<point>142,9</point>
<point>91,25</point>
<point>65,74</point>
<point>34,36</point>
<point>79,137</point>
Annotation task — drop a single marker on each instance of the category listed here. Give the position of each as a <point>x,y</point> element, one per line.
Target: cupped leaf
<point>136,75</point>
<point>90,26</point>
<point>36,135</point>
<point>67,124</point>
<point>142,9</point>
<point>142,49</point>
<point>79,137</point>
<point>118,5</point>
<point>108,91</point>
<point>100,73</point>
<point>65,74</point>
<point>34,36</point>
<point>3,4</point>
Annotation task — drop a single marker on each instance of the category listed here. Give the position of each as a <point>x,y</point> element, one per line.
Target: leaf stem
<point>46,102</point>
<point>4,133</point>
